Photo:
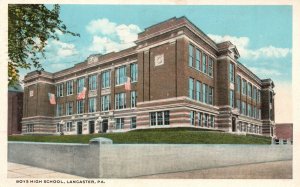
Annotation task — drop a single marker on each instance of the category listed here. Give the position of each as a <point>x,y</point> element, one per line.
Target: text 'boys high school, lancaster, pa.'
<point>175,76</point>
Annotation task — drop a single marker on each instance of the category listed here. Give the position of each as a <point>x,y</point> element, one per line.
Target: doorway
<point>233,120</point>
<point>91,127</point>
<point>79,127</point>
<point>104,125</point>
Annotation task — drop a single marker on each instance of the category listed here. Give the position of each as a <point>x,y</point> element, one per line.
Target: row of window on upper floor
<point>200,91</point>
<point>120,78</point>
<point>200,61</point>
<point>120,103</point>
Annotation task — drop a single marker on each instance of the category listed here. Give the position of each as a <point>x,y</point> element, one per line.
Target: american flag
<point>81,95</point>
<point>52,98</point>
<point>128,84</point>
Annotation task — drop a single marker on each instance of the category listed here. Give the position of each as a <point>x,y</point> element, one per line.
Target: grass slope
<point>155,136</point>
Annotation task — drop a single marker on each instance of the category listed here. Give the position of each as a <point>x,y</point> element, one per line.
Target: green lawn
<point>155,136</point>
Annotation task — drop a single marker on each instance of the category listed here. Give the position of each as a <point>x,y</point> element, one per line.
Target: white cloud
<point>242,44</point>
<point>63,49</point>
<point>109,36</point>
<point>264,73</point>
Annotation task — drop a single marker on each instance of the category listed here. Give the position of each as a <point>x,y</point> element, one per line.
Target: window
<point>60,90</point>
<point>254,93</point>
<point>133,97</point>
<point>238,105</point>
<point>205,92</point>
<point>212,121</point>
<point>231,98</point>
<point>210,67</point>
<point>198,65</point>
<point>121,75</point>
<point>59,127</point>
<point>238,84</point>
<point>249,113</point>
<point>244,108</point>
<point>80,106</point>
<point>204,63</point>
<point>80,85</point>
<point>93,82</point>
<point>192,118</point>
<point>59,109</point>
<point>92,104</point>
<point>199,119</point>
<point>259,113</point>
<point>258,96</point>
<point>254,112</point>
<point>133,72</point>
<point>69,108</point>
<point>198,92</point>
<point>231,72</point>
<point>210,95</point>
<point>106,79</point>
<point>205,120</point>
<point>105,102</point>
<point>30,128</point>
<point>70,87</point>
<point>119,123</point>
<point>191,55</point>
<point>133,123</point>
<point>244,87</point>
<point>191,88</point>
<point>249,89</point>
<point>160,118</point>
<point>69,126</point>
<point>120,100</point>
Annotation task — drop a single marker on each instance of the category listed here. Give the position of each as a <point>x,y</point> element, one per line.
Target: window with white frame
<point>92,104</point>
<point>192,118</point>
<point>231,98</point>
<point>212,121</point>
<point>204,63</point>
<point>59,109</point>
<point>244,108</point>
<point>210,67</point>
<point>120,100</point>
<point>133,99</point>
<point>60,90</point>
<point>59,127</point>
<point>205,93</point>
<point>210,95</point>
<point>254,93</point>
<point>198,63</point>
<point>119,123</point>
<point>231,72</point>
<point>259,113</point>
<point>106,79</point>
<point>80,84</point>
<point>254,112</point>
<point>238,105</point>
<point>249,89</point>
<point>133,123</point>
<point>105,102</point>
<point>80,106</point>
<point>133,72</point>
<point>249,113</point>
<point>30,128</point>
<point>198,90</point>
<point>93,82</point>
<point>191,88</point>
<point>120,75</point>
<point>191,55</point>
<point>258,96</point>
<point>69,126</point>
<point>69,108</point>
<point>199,119</point>
<point>205,120</point>
<point>244,87</point>
<point>70,87</point>
<point>160,118</point>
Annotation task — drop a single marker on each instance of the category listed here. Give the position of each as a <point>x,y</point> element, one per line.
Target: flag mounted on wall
<point>52,98</point>
<point>81,95</point>
<point>128,84</point>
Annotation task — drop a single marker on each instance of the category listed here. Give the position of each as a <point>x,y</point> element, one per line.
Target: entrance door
<point>104,125</point>
<point>79,127</point>
<point>91,127</point>
<point>233,124</point>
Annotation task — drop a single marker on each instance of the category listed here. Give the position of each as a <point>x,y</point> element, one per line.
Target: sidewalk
<point>25,171</point>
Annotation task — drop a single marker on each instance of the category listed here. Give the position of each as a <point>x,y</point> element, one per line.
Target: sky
<point>262,34</point>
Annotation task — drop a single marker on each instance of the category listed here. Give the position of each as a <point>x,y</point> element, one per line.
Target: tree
<point>29,28</point>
